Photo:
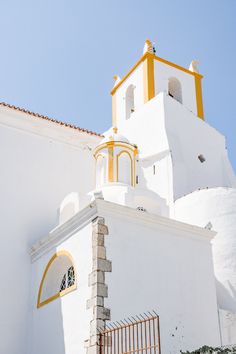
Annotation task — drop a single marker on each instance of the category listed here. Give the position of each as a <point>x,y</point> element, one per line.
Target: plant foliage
<point>210,350</point>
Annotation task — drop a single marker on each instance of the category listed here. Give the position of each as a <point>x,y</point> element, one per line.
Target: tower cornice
<point>154,57</point>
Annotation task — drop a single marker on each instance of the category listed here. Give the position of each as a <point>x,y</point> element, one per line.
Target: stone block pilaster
<point>96,280</point>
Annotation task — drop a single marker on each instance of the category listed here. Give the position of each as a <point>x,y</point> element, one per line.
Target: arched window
<point>174,89</point>
<point>129,101</point>
<point>59,278</point>
<point>124,168</point>
<point>101,170</point>
<point>68,279</point>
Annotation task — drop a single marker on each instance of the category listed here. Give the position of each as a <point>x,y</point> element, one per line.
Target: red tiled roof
<point>37,115</point>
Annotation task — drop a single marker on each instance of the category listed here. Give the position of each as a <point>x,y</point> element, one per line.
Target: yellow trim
<point>117,165</point>
<point>114,110</point>
<point>148,78</point>
<point>99,155</point>
<point>199,101</point>
<point>154,58</point>
<point>110,164</point>
<point>177,66</point>
<point>129,72</point>
<point>113,143</point>
<point>59,294</point>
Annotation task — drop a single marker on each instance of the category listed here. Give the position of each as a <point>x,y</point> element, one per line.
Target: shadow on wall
<point>57,279</point>
<point>226,297</point>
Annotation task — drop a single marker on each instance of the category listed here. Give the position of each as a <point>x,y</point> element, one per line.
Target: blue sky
<point>58,57</point>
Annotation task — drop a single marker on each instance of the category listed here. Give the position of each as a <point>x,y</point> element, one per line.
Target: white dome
<point>114,136</point>
<point>218,207</point>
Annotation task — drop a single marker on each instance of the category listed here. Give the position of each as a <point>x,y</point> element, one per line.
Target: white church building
<point>123,242</point>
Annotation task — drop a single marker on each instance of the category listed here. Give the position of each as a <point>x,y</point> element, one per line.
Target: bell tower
<point>158,106</point>
<point>150,76</point>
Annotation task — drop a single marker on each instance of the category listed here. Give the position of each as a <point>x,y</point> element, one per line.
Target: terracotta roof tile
<point>37,115</point>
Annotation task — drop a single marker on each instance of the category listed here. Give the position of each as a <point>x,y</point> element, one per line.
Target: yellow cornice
<point>153,56</point>
<point>177,66</point>
<point>129,72</point>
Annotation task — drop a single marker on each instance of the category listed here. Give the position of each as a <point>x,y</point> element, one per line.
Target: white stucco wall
<point>135,79</point>
<point>161,266</point>
<point>62,325</point>
<point>189,137</point>
<point>41,163</point>
<point>146,128</point>
<point>217,206</point>
<point>171,137</point>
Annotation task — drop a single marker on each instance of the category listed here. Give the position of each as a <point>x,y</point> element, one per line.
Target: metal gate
<point>140,334</point>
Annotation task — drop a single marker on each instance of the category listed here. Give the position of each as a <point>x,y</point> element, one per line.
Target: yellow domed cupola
<point>115,160</point>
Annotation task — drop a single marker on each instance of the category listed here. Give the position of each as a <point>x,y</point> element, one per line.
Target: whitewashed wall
<point>146,128</point>
<point>135,79</point>
<point>171,137</point>
<point>62,325</point>
<point>41,163</point>
<point>163,266</point>
<point>189,137</point>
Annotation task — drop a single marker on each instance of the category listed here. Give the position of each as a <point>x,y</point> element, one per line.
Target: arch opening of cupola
<point>175,89</point>
<point>124,168</point>
<point>115,160</point>
<point>101,169</point>
<point>129,101</point>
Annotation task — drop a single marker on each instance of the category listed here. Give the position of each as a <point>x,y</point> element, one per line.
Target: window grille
<point>140,335</point>
<point>68,279</point>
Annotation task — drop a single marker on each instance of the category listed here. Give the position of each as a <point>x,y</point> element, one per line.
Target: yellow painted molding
<point>99,155</point>
<point>128,74</point>
<point>113,143</point>
<point>148,78</point>
<point>61,293</point>
<point>199,100</point>
<point>177,66</point>
<point>154,58</point>
<point>110,164</point>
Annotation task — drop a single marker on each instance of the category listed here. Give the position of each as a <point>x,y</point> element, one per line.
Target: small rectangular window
<point>154,169</point>
<point>136,179</point>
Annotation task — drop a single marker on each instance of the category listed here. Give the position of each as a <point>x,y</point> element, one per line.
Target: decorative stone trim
<point>96,281</point>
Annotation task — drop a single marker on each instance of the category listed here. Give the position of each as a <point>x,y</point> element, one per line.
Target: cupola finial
<point>193,66</point>
<point>117,79</point>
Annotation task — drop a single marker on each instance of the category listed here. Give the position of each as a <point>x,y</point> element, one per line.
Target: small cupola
<point>115,160</point>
